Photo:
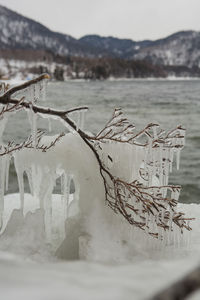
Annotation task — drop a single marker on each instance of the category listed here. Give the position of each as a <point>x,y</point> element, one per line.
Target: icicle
<point>166,167</point>
<point>150,179</point>
<point>172,195</point>
<point>171,214</point>
<point>188,236</point>
<point>43,87</point>
<point>3,88</point>
<point>177,158</point>
<point>161,165</point>
<point>183,139</point>
<point>78,120</point>
<point>154,162</point>
<point>82,119</point>
<point>30,181</point>
<point>149,163</point>
<point>159,234</point>
<point>65,192</point>
<point>34,129</point>
<point>155,132</point>
<point>41,182</point>
<point>146,223</point>
<point>34,93</point>
<point>31,94</point>
<point>3,121</point>
<point>77,190</point>
<point>171,157</point>
<point>49,123</point>
<point>176,194</point>
<point>33,123</point>
<point>47,202</point>
<point>162,216</point>
<point>20,178</point>
<point>145,158</point>
<point>8,158</point>
<point>2,188</point>
<point>38,185</point>
<point>130,164</point>
<point>21,188</point>
<point>150,149</point>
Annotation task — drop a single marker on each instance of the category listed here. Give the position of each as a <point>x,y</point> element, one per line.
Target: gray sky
<point>135,19</point>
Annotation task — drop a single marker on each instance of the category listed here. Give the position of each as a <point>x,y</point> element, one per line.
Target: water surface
<point>170,103</point>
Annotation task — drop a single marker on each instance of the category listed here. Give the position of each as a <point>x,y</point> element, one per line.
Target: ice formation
<point>137,189</point>
<point>140,164</point>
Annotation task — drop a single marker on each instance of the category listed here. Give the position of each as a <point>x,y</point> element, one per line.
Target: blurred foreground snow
<point>30,270</point>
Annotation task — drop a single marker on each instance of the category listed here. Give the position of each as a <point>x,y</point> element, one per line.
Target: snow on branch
<point>134,166</point>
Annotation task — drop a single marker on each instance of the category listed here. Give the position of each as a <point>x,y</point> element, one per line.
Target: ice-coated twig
<point>29,144</point>
<point>5,98</point>
<point>11,108</point>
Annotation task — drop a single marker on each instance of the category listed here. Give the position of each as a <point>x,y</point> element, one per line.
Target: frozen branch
<point>5,98</point>
<point>142,204</point>
<point>28,144</point>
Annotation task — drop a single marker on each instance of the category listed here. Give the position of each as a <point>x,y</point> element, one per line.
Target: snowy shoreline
<point>16,81</point>
<point>29,270</point>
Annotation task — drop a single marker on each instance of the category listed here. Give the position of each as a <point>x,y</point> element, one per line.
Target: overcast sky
<point>135,19</point>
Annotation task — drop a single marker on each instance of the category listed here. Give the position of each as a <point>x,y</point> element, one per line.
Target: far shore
<point>17,80</point>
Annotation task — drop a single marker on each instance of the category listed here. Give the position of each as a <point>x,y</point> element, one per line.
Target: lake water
<point>169,103</point>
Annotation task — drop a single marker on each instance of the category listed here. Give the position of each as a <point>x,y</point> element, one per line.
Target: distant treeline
<point>103,68</point>
<point>92,68</point>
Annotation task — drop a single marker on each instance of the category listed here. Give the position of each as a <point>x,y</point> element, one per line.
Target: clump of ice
<point>85,223</point>
<point>69,160</point>
<point>25,235</point>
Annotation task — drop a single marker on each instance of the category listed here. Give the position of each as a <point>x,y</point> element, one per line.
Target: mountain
<point>115,47</point>
<point>181,48</point>
<point>18,32</point>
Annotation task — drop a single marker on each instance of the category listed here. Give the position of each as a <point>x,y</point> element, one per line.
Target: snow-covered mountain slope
<point>181,48</point>
<point>19,32</point>
<point>124,48</point>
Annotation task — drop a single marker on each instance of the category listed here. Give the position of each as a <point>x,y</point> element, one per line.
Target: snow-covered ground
<point>30,270</point>
<point>15,71</point>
